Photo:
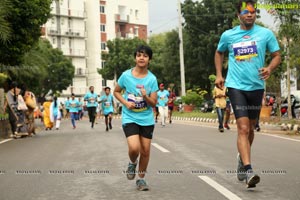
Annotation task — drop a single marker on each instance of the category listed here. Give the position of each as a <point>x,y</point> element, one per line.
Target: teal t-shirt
<point>91,99</point>
<point>162,98</point>
<point>107,105</point>
<point>247,50</point>
<point>67,104</point>
<point>74,105</point>
<point>142,114</point>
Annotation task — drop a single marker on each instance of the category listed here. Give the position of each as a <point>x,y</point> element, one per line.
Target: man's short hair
<point>242,3</point>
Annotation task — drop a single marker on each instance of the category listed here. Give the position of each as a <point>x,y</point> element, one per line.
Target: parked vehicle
<point>295,103</point>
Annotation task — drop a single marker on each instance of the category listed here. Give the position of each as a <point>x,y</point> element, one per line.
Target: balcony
<point>70,13</point>
<point>80,72</point>
<point>67,32</point>
<point>124,35</point>
<point>122,18</point>
<point>74,52</point>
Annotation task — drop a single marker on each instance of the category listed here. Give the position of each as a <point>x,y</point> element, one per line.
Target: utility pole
<point>182,73</point>
<point>288,71</point>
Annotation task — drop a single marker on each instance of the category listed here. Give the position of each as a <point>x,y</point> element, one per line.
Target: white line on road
<point>160,148</point>
<point>220,188</point>
<point>7,140</point>
<point>277,136</point>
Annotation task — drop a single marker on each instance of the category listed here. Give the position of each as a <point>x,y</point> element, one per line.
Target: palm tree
<point>5,29</point>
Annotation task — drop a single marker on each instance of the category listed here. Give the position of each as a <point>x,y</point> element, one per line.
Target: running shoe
<point>252,179</point>
<point>226,126</point>
<point>221,130</point>
<point>106,128</point>
<point>110,126</point>
<point>142,185</point>
<point>257,128</point>
<point>131,171</point>
<point>241,172</point>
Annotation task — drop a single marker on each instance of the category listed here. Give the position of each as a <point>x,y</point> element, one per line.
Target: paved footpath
<point>188,161</point>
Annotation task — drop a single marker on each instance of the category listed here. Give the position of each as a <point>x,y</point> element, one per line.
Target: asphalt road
<point>188,161</point>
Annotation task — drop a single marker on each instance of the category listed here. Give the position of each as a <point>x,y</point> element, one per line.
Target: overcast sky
<point>163,16</point>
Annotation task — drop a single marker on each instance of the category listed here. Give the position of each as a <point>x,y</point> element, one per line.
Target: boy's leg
<point>110,120</point>
<point>144,155</point>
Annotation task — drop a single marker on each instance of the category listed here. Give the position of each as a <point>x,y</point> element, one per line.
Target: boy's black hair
<point>243,2</point>
<point>107,88</point>
<point>144,49</point>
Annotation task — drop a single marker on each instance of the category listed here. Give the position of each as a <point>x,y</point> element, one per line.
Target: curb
<point>283,127</point>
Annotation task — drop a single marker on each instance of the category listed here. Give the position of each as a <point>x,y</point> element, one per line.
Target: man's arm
<point>219,58</point>
<point>266,71</point>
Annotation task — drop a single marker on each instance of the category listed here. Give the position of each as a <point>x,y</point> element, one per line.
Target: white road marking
<point>7,140</point>
<point>277,136</point>
<point>220,188</point>
<point>160,148</point>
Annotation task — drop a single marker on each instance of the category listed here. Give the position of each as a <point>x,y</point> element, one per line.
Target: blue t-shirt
<point>162,98</point>
<point>107,105</point>
<point>247,50</point>
<point>142,114</point>
<point>67,104</point>
<point>74,105</point>
<point>91,99</point>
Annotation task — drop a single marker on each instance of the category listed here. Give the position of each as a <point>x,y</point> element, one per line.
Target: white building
<point>294,85</point>
<point>81,28</point>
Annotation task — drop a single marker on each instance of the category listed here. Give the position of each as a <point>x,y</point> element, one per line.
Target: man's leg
<point>162,114</point>
<point>110,120</point>
<point>220,118</point>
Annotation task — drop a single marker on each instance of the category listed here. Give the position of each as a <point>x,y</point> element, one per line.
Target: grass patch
<point>195,114</point>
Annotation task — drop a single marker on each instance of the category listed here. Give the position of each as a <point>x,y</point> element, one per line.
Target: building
<point>81,29</point>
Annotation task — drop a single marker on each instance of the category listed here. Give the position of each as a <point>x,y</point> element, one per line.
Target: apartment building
<point>81,29</point>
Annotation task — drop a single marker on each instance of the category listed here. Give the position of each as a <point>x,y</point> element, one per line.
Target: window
<point>136,14</point>
<point>53,40</point>
<point>102,9</point>
<point>102,28</point>
<point>63,41</point>
<point>103,46</point>
<point>53,20</point>
<point>136,31</point>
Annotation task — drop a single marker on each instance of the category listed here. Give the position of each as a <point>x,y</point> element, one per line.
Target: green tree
<point>5,29</point>
<point>45,69</point>
<point>205,21</point>
<point>157,64</point>
<point>25,19</point>
<point>120,57</point>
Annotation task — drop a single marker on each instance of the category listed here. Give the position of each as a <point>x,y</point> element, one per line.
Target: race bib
<point>107,104</point>
<point>140,103</point>
<point>245,50</point>
<point>92,100</point>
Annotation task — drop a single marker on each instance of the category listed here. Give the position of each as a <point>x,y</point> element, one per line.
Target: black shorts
<point>135,129</point>
<point>170,108</point>
<point>108,114</point>
<point>246,103</point>
<point>156,109</point>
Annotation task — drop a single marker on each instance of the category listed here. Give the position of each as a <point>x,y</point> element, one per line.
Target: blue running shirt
<point>107,105</point>
<point>91,99</point>
<point>142,114</point>
<point>247,50</point>
<point>162,98</point>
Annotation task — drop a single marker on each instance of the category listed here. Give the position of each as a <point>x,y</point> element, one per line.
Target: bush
<point>194,97</point>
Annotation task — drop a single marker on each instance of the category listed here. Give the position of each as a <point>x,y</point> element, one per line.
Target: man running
<point>91,99</point>
<point>107,104</point>
<point>162,99</point>
<point>247,72</point>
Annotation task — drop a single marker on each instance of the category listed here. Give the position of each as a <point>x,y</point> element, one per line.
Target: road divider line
<point>220,188</point>
<point>160,148</point>
<point>277,136</point>
<point>7,140</point>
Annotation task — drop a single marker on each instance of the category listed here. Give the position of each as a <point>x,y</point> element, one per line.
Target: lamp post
<point>182,73</point>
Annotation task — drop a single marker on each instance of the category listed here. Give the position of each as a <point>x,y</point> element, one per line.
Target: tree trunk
<point>5,129</point>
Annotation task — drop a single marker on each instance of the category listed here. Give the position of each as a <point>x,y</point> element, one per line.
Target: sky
<point>163,16</point>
